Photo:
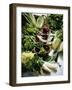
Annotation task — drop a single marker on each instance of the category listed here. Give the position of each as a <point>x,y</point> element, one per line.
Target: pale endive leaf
<point>40,21</point>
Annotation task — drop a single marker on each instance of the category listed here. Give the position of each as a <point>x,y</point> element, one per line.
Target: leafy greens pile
<point>35,32</point>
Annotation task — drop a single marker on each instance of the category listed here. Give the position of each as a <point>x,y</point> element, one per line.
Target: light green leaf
<point>40,21</point>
